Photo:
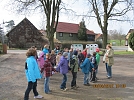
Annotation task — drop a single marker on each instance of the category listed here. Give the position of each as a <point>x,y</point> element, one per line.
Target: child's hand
<point>93,69</point>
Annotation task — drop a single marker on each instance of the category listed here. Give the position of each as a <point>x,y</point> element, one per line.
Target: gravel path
<point>13,82</point>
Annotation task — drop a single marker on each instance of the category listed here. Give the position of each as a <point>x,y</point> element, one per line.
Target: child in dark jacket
<point>94,62</point>
<point>47,69</point>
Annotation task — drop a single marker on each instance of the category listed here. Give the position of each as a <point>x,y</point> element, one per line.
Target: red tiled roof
<point>90,32</point>
<point>70,28</point>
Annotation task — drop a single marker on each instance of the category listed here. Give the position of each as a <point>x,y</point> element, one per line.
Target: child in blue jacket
<point>87,67</point>
<point>32,74</point>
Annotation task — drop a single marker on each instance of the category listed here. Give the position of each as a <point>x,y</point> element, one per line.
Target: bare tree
<point>51,10</point>
<point>105,10</point>
<point>116,35</point>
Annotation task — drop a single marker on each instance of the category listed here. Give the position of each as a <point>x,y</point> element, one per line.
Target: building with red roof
<point>69,32</point>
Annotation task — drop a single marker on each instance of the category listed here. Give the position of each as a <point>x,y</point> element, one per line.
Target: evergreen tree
<point>82,34</point>
<point>131,41</point>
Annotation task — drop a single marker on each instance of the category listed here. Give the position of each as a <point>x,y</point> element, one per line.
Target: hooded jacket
<point>86,66</point>
<point>32,72</point>
<point>41,59</point>
<point>62,66</point>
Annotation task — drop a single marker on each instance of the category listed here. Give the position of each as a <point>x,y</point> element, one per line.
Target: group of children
<point>46,63</point>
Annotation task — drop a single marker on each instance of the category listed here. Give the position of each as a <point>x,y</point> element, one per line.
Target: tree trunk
<point>51,40</point>
<point>120,42</point>
<point>104,39</point>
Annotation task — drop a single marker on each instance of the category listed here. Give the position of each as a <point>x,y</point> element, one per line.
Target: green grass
<point>120,53</point>
<point>117,42</point>
<point>123,53</point>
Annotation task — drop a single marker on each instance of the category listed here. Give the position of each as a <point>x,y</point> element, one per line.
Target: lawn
<point>121,53</point>
<point>117,42</point>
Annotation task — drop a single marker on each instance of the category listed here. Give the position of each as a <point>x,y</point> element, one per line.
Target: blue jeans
<point>63,84</point>
<point>109,71</point>
<point>86,78</point>
<point>106,68</point>
<point>46,84</point>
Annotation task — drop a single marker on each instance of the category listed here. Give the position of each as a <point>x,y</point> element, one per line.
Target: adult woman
<point>109,61</point>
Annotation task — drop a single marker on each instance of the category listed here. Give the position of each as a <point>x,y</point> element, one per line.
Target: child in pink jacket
<point>41,59</point>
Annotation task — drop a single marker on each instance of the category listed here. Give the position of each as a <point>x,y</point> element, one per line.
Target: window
<point>70,35</point>
<point>61,34</point>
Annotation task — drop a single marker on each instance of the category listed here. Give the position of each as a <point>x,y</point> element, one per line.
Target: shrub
<point>131,41</point>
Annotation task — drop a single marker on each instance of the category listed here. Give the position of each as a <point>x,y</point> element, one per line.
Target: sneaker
<point>38,97</point>
<point>48,92</point>
<point>109,77</point>
<point>77,86</point>
<point>65,89</point>
<point>97,78</point>
<point>74,87</point>
<point>86,84</point>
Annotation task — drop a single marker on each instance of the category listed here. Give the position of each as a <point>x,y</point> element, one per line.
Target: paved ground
<point>13,82</point>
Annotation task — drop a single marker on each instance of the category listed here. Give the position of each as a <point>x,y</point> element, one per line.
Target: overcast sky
<point>80,7</point>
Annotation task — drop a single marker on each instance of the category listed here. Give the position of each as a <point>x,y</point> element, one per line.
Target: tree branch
<point>111,7</point>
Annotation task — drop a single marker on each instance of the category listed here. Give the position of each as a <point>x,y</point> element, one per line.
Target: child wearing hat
<point>87,67</point>
<point>63,69</point>
<point>74,69</point>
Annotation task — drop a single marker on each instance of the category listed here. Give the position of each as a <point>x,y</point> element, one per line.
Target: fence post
<point>4,48</point>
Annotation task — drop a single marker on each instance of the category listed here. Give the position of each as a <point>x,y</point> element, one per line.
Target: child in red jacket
<point>47,69</point>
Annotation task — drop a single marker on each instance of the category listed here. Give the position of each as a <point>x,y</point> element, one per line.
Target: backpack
<point>81,57</point>
<point>94,61</point>
<point>72,63</point>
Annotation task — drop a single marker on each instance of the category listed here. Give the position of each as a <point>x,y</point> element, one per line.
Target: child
<point>58,58</point>
<point>40,59</point>
<point>63,69</point>
<point>53,58</point>
<point>97,59</point>
<point>94,62</point>
<point>45,50</point>
<point>74,69</point>
<point>32,74</point>
<point>47,69</point>
<point>86,67</point>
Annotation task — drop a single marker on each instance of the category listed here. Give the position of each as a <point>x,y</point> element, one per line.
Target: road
<point>116,48</point>
<point>120,48</point>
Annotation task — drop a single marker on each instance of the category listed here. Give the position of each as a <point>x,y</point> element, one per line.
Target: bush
<point>131,41</point>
